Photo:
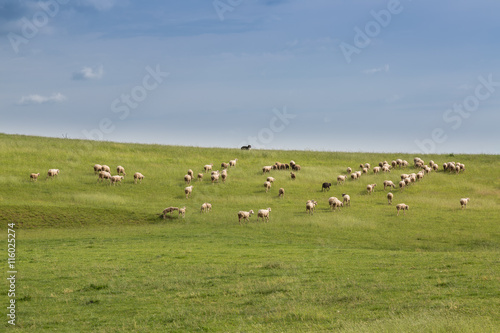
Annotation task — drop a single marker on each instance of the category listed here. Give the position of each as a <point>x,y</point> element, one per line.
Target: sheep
<point>267,186</point>
<point>310,206</point>
<point>404,164</point>
<point>334,202</point>
<point>464,202</point>
<point>399,162</point>
<point>206,207</point>
<point>34,177</point>
<point>187,179</point>
<point>413,177</point>
<point>191,173</point>
<point>97,168</point>
<point>431,163</point>
<point>244,215</point>
<point>420,175</point>
<point>115,179</point>
<point>105,168</point>
<point>402,184</point>
<point>354,176</point>
<point>417,161</point>
<point>347,199</point>
<point>200,177</point>
<point>292,175</point>
<point>223,175</point>
<point>52,173</point>
<point>208,167</point>
<point>376,169</point>
<point>120,170</point>
<point>370,188</point>
<point>349,170</point>
<point>270,179</point>
<point>341,179</point>
<point>407,180</point>
<point>224,165</point>
<point>361,166</point>
<point>169,210</point>
<point>215,178</point>
<point>394,164</point>
<point>266,168</point>
<point>388,183</point>
<point>182,211</point>
<point>188,191</point>
<point>232,163</point>
<point>292,163</point>
<point>296,167</point>
<point>281,192</point>
<point>404,175</point>
<point>264,214</point>
<point>138,176</point>
<point>403,207</point>
<point>104,175</point>
<point>390,196</point>
<point>246,147</point>
<point>326,186</point>
<point>367,165</point>
<point>386,168</point>
<point>365,170</point>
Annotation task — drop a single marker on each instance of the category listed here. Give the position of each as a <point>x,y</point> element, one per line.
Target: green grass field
<point>98,258</point>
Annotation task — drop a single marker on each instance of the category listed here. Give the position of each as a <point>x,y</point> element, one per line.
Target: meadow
<point>98,258</point>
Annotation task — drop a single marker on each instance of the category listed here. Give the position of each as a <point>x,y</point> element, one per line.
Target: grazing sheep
<point>182,211</point>
<point>104,175</point>
<point>34,177</point>
<point>215,178</point>
<point>399,162</point>
<point>292,175</point>
<point>267,168</point>
<point>403,207</point>
<point>402,184</point>
<point>224,165</point>
<point>407,180</point>
<point>281,192</point>
<point>188,191</point>
<point>115,179</point>
<point>326,186</point>
<point>390,196</point>
<point>388,183</point>
<point>334,202</point>
<point>264,214</point>
<point>394,164</point>
<point>404,175</point>
<point>52,173</point>
<point>341,179</point>
<point>292,163</point>
<point>270,179</point>
<point>206,207</point>
<point>420,175</point>
<point>431,163</point>
<point>244,215</point>
<point>358,173</point>
<point>267,186</point>
<point>464,202</point>
<point>418,162</point>
<point>191,173</point>
<point>386,168</point>
<point>376,169</point>
<point>347,199</point>
<point>138,176</point>
<point>246,147</point>
<point>413,177</point>
<point>200,177</point>
<point>361,166</point>
<point>97,168</point>
<point>370,188</point>
<point>365,170</point>
<point>349,170</point>
<point>208,167</point>
<point>169,210</point>
<point>105,168</point>
<point>120,170</point>
<point>435,167</point>
<point>232,163</point>
<point>187,179</point>
<point>404,164</point>
<point>354,176</point>
<point>310,206</point>
<point>223,175</point>
<point>367,165</point>
<point>296,167</point>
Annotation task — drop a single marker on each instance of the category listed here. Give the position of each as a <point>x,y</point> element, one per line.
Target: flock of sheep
<point>104,173</point>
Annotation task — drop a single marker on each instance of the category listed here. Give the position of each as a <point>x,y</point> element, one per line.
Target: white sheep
<point>187,179</point>
<point>402,184</point>
<point>365,170</point>
<point>270,179</point>
<point>390,196</point>
<point>464,202</point>
<point>354,176</point>
<point>404,175</point>
<point>115,179</point>
<point>407,180</point>
<point>34,177</point>
<point>244,215</point>
<point>191,173</point>
<point>349,170</point>
<point>232,163</point>
<point>169,210</point>
<point>267,168</point>
<point>208,167</point>
<point>310,204</point>
<point>281,192</point>
<point>359,174</point>
<point>105,168</point>
<point>347,199</point>
<point>267,186</point>
<point>334,202</point>
<point>104,175</point>
<point>264,214</point>
<point>97,168</point>
<point>188,191</point>
<point>223,175</point>
<point>386,168</point>
<point>120,170</point>
<point>435,167</point>
<point>403,207</point>
<point>182,211</point>
<point>376,169</point>
<point>138,176</point>
<point>370,188</point>
<point>388,183</point>
<point>206,207</point>
<point>224,165</point>
<point>341,179</point>
<point>367,165</point>
<point>399,162</point>
<point>394,164</point>
<point>52,173</point>
<point>404,164</point>
<point>200,177</point>
<point>215,178</point>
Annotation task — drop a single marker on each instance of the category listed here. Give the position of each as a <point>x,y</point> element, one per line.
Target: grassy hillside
<point>95,257</point>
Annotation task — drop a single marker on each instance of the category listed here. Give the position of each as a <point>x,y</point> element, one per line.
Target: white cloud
<point>377,70</point>
<point>88,73</point>
<point>39,99</point>
<point>100,5</point>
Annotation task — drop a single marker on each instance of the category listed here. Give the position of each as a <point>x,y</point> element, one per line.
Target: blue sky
<point>384,76</point>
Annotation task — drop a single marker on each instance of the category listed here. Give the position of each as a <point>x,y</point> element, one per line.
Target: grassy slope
<point>97,257</point>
